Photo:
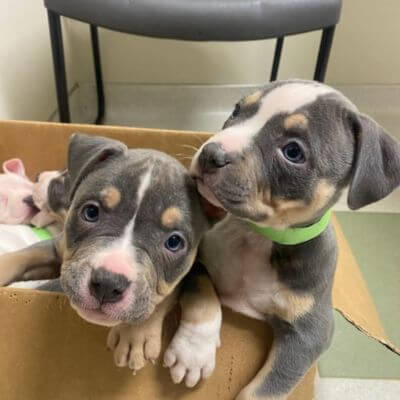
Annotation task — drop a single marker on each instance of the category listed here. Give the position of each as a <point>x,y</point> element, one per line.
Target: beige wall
<point>26,71</point>
<point>366,51</point>
<point>367,45</point>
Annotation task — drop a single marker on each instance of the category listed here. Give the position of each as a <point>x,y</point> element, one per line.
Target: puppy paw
<point>191,354</point>
<point>133,346</point>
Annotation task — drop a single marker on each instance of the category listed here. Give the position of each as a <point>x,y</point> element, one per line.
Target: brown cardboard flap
<point>351,297</point>
<point>48,352</point>
<point>42,146</point>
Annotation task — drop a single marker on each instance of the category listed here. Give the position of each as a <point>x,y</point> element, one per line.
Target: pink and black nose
<point>106,286</point>
<point>213,157</point>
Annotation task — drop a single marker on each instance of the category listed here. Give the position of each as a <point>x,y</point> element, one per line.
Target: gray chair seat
<point>230,20</point>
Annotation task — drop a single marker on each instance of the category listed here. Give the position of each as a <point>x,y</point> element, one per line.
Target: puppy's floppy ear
<point>376,167</point>
<point>85,153</point>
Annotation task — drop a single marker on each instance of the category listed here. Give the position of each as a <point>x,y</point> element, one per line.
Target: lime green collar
<point>292,236</point>
<point>42,233</point>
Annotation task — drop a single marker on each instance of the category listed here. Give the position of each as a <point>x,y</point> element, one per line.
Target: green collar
<point>292,236</point>
<point>42,233</point>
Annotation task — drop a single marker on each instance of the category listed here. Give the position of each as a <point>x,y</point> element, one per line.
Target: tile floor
<point>355,367</point>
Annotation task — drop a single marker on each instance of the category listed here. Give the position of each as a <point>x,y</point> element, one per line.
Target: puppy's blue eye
<point>90,213</point>
<point>236,110</point>
<point>294,153</point>
<point>174,243</point>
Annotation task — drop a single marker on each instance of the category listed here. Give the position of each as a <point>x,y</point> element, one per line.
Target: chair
<point>196,20</point>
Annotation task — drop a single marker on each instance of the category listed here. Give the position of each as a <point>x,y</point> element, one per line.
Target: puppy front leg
<point>14,265</point>
<point>191,353</point>
<point>295,348</point>
<point>134,345</point>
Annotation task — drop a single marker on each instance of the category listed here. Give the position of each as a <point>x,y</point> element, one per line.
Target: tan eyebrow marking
<point>111,196</point>
<point>171,216</point>
<point>295,120</point>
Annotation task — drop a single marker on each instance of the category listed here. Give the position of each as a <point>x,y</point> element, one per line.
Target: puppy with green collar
<point>277,167</point>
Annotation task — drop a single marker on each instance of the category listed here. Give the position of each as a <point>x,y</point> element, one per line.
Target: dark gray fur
<point>343,148</point>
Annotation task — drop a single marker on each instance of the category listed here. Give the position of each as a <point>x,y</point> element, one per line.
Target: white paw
<point>133,346</point>
<point>191,354</point>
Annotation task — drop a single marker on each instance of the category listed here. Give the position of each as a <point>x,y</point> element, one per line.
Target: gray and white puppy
<point>134,221</point>
<point>282,160</point>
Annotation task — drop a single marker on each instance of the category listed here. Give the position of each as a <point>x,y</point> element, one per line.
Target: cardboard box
<point>48,352</point>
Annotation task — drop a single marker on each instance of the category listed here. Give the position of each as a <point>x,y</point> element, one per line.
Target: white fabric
<point>16,237</point>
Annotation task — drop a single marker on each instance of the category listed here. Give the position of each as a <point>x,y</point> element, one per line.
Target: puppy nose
<point>106,286</point>
<point>212,157</point>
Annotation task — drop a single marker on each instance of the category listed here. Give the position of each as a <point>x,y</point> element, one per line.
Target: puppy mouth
<point>133,306</point>
<point>221,193</point>
<point>212,206</point>
<point>95,316</point>
<point>93,311</point>
<point>208,194</point>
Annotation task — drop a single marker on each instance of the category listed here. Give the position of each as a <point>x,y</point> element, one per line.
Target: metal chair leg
<point>277,58</point>
<point>323,54</point>
<point>98,74</point>
<point>57,49</point>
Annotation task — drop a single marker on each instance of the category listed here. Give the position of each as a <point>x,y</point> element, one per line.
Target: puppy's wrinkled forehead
<point>149,180</point>
<point>255,110</point>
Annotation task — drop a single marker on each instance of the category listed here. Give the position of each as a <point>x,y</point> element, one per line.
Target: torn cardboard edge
<point>382,341</point>
<point>355,303</point>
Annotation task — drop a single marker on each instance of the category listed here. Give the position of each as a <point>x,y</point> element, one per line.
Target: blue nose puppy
<point>277,167</point>
<point>133,221</point>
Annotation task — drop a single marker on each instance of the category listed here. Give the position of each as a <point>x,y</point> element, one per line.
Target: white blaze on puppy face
<point>121,251</point>
<point>283,99</point>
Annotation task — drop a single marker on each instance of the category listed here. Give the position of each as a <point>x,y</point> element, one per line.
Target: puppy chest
<point>238,262</point>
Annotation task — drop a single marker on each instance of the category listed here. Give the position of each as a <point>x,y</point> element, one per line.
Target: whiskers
<point>190,147</point>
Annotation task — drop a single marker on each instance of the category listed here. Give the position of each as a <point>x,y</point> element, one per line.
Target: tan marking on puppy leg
<point>253,98</point>
<point>289,305</point>
<point>171,216</point>
<point>111,197</point>
<point>291,212</point>
<point>201,305</point>
<point>295,120</point>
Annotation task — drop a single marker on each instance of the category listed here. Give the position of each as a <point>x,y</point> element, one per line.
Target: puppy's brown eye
<point>90,213</point>
<point>236,110</point>
<point>294,153</point>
